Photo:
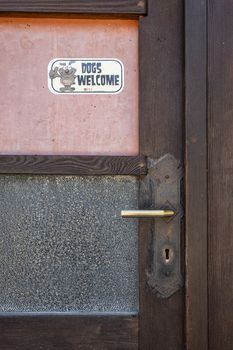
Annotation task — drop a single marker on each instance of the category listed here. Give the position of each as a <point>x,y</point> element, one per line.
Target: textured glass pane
<point>64,246</point>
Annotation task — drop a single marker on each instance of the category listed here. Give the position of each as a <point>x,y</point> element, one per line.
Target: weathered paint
<point>35,121</point>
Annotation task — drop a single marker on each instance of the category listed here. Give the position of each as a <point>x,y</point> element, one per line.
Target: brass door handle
<point>146,213</point>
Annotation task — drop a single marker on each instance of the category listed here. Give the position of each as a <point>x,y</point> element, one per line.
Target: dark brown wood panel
<point>69,333</point>
<point>133,7</point>
<point>220,114</point>
<point>196,175</point>
<point>161,112</point>
<point>73,165</point>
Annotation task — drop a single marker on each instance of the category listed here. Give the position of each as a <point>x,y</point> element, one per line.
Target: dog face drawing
<point>67,77</point>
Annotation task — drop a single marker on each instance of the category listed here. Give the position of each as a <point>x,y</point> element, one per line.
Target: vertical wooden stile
<point>161,114</point>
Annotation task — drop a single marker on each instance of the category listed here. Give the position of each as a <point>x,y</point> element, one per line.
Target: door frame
<point>161,54</point>
<point>196,174</point>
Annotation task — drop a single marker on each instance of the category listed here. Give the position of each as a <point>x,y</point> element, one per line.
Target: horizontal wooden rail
<point>127,7</point>
<point>73,165</point>
<point>69,332</point>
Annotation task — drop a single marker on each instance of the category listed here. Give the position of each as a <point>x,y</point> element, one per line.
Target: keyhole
<point>167,253</point>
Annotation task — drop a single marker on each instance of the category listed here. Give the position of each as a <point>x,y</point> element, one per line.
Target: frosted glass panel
<point>34,120</point>
<point>64,246</point>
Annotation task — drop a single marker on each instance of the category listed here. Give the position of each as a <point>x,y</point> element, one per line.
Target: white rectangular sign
<point>85,76</point>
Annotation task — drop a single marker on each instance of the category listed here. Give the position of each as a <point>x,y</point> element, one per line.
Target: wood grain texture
<point>69,333</point>
<point>220,130</point>
<point>161,109</point>
<point>196,175</point>
<point>132,7</point>
<point>73,165</point>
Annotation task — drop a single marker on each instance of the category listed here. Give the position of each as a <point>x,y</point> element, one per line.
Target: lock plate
<point>162,188</point>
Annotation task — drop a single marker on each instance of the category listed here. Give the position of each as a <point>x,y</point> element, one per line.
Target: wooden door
<point>113,164</point>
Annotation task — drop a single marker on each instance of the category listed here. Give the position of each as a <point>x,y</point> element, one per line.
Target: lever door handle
<point>147,213</point>
<point>160,239</point>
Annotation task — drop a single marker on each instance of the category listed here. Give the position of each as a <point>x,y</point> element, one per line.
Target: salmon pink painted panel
<point>33,120</point>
